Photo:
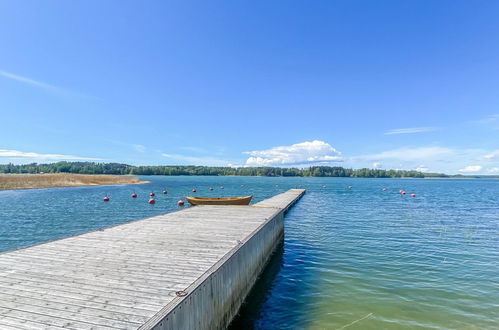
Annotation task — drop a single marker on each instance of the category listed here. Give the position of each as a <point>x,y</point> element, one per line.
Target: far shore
<point>53,180</point>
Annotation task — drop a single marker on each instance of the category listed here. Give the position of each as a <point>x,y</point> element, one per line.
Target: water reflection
<point>252,306</point>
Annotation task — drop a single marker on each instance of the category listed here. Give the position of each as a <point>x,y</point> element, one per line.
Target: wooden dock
<point>189,269</point>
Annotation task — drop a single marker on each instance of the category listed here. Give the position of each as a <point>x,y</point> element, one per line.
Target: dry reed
<point>33,181</point>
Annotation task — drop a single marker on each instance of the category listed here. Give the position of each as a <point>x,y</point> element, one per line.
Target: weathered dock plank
<point>128,276</point>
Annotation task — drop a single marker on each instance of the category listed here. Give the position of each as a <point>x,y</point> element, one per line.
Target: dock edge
<point>214,299</point>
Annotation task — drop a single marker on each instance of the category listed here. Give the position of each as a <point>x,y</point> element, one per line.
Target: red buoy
<point>180,203</point>
<point>151,194</point>
<point>106,199</point>
<point>403,192</point>
<point>194,190</point>
<point>413,195</point>
<point>152,201</point>
<point>211,188</point>
<point>134,195</point>
<point>165,192</point>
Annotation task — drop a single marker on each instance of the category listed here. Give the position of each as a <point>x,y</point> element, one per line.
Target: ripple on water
<point>359,258</point>
<point>386,261</point>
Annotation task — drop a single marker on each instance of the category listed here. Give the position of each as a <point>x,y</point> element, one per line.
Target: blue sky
<point>385,84</point>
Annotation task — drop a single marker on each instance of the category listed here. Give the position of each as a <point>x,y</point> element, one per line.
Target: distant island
<point>50,180</point>
<point>124,169</point>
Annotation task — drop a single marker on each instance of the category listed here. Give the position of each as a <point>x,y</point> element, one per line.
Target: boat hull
<point>245,200</point>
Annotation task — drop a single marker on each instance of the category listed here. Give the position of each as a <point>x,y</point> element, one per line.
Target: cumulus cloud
<point>493,170</point>
<point>471,169</point>
<point>493,155</point>
<point>376,165</point>
<point>410,130</point>
<point>310,152</point>
<point>37,156</point>
<point>422,168</point>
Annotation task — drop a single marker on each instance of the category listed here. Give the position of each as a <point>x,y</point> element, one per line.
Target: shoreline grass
<point>52,180</point>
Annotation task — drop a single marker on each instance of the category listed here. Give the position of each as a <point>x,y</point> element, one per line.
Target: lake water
<point>359,258</point>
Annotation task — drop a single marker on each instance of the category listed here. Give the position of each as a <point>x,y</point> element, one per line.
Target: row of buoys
<point>150,201</point>
<point>348,187</point>
<point>324,186</point>
<point>402,192</point>
<point>179,203</point>
<point>152,194</point>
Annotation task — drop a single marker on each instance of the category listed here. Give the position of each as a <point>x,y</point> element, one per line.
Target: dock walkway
<point>141,274</point>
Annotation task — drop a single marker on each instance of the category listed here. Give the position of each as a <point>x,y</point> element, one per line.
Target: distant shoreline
<point>59,180</point>
<point>90,168</point>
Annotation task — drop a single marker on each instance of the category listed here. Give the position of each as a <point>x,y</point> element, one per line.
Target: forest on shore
<point>125,169</point>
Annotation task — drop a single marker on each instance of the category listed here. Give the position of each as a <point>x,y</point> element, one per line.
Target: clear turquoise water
<point>356,259</point>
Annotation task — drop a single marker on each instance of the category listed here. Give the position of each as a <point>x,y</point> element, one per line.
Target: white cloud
<point>410,130</point>
<point>29,81</point>
<point>493,170</point>
<point>493,155</point>
<point>43,85</point>
<point>310,152</point>
<point>491,121</point>
<point>376,165</point>
<point>424,158</point>
<point>139,147</point>
<point>412,154</point>
<point>15,154</point>
<point>191,160</point>
<point>471,169</point>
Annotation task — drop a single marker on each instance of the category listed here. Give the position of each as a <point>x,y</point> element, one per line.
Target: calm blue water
<point>359,258</point>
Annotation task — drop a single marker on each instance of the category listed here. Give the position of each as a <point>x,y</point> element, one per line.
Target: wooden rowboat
<point>244,200</point>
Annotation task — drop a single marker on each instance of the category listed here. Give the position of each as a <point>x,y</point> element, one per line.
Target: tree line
<point>124,169</point>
